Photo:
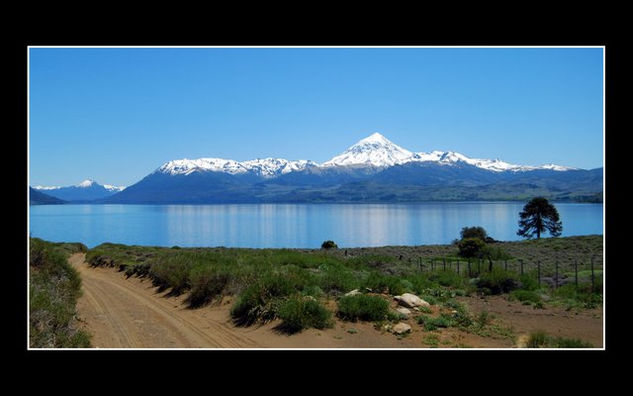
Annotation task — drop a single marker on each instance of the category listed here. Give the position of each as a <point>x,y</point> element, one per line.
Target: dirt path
<point>127,313</point>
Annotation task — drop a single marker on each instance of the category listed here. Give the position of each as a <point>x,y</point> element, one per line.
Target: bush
<point>206,284</point>
<point>261,301</point>
<point>298,313</point>
<point>431,323</point>
<point>498,281</point>
<point>448,278</point>
<point>528,281</point>
<point>337,279</point>
<point>471,247</point>
<point>329,245</point>
<point>363,307</point>
<point>380,283</point>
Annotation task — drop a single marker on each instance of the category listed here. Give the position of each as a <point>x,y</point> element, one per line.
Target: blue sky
<point>117,114</point>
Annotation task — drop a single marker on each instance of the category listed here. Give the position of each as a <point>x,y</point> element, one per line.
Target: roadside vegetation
<point>54,287</point>
<point>309,288</point>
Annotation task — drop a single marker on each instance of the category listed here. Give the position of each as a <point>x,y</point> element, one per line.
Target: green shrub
<point>431,323</point>
<point>471,247</point>
<point>498,281</point>
<point>380,283</point>
<point>171,271</point>
<point>528,281</point>
<point>336,279</point>
<point>261,301</point>
<point>363,307</point>
<point>207,283</point>
<point>448,278</point>
<point>298,313</point>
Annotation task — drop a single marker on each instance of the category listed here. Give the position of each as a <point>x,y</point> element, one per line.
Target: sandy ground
<point>130,313</point>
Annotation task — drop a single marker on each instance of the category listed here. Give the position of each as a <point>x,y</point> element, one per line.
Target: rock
<point>404,311</point>
<point>353,293</point>
<point>401,328</point>
<point>309,298</point>
<point>411,301</point>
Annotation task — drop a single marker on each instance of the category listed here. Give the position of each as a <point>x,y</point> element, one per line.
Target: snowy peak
<point>375,150</point>
<point>86,183</point>
<point>266,167</point>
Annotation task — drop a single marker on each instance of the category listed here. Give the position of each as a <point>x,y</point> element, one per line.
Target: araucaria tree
<point>538,216</point>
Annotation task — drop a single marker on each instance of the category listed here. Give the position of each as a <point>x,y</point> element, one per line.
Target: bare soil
<point>123,312</point>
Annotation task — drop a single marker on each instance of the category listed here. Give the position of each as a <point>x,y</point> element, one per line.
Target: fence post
<point>457,266</point>
<point>420,264</point>
<point>521,261</point>
<point>592,277</point>
<point>576,271</point>
<point>538,274</point>
<point>556,279</point>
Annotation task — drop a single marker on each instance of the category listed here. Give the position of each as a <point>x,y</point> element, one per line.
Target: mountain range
<point>372,170</point>
<point>86,191</point>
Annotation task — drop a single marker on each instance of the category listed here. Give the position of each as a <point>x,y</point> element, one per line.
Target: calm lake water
<point>292,226</point>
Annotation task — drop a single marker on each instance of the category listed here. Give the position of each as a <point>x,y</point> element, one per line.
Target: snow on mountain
<point>114,188</point>
<point>267,167</point>
<point>375,150</point>
<point>86,183</point>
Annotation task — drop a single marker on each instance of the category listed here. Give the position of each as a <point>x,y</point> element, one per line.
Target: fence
<point>553,274</point>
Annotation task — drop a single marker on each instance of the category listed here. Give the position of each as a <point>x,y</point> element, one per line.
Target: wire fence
<point>554,274</point>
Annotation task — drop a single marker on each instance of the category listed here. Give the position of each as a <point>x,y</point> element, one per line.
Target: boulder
<point>401,328</point>
<point>411,301</point>
<point>353,293</point>
<point>404,311</point>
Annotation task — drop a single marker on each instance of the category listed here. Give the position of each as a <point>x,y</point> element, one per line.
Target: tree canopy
<point>539,216</point>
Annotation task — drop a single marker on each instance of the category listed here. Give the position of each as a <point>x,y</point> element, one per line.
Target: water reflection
<point>289,225</point>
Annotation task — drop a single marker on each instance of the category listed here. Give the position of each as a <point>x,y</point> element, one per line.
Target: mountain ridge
<point>372,170</point>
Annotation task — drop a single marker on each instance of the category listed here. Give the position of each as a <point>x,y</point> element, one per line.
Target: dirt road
<point>127,313</point>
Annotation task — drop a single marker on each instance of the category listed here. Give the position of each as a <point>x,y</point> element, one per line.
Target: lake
<point>293,225</point>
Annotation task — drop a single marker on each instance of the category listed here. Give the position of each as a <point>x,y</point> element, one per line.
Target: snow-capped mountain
<point>375,150</point>
<point>267,167</point>
<point>87,190</point>
<point>372,170</point>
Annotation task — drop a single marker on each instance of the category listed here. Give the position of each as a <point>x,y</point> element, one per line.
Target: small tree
<point>329,245</point>
<point>474,232</point>
<point>539,216</point>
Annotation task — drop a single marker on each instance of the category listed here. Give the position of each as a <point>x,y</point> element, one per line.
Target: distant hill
<point>39,198</point>
<point>86,191</point>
